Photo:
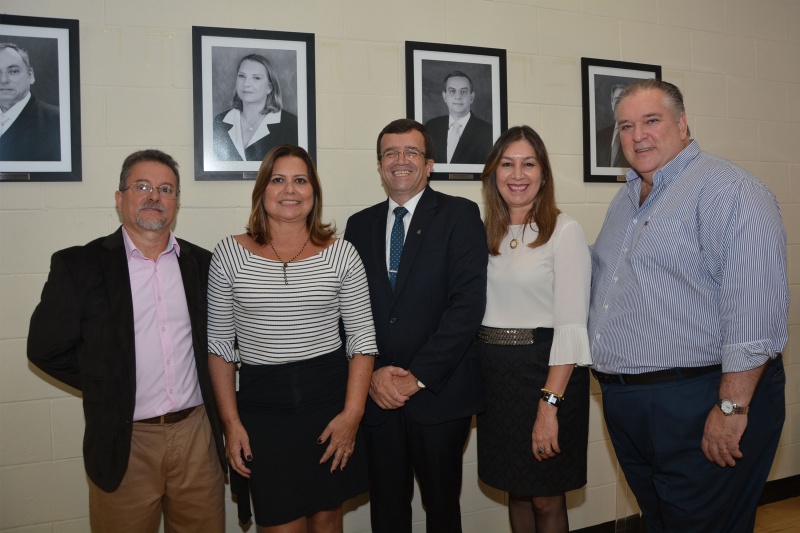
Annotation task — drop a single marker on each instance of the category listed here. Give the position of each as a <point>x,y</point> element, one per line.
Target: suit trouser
<point>657,429</point>
<point>399,447</point>
<point>172,469</point>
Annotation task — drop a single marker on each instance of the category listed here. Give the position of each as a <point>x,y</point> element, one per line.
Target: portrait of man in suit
<point>425,256</point>
<point>123,320</point>
<point>29,128</point>
<point>609,151</point>
<point>460,136</point>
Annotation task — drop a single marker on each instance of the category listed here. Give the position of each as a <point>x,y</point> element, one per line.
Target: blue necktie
<point>396,243</point>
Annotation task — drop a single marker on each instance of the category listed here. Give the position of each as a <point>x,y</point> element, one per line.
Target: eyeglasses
<point>142,188</point>
<point>409,153</point>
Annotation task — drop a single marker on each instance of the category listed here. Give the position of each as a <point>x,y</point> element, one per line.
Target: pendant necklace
<point>286,263</point>
<point>514,241</point>
<point>252,125</point>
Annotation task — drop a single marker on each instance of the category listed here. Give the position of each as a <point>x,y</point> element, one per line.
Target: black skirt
<point>285,408</point>
<point>513,377</point>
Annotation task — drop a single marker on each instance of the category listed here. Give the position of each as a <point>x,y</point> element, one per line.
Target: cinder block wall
<point>736,61</point>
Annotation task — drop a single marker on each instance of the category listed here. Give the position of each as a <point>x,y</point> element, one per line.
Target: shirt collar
<point>411,205</point>
<point>14,111</point>
<point>132,251</point>
<point>666,174</point>
<point>463,120</point>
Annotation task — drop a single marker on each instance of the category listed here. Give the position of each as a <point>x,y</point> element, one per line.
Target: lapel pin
<point>419,232</point>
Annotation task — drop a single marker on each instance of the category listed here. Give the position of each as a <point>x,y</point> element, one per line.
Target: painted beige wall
<point>736,61</point>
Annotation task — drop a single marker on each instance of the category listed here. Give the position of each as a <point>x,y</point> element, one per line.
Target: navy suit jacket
<point>428,323</point>
<point>35,135</point>
<point>82,334</point>
<point>284,132</point>
<point>473,146</point>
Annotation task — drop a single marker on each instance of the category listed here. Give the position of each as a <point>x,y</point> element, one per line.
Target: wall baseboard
<point>774,491</point>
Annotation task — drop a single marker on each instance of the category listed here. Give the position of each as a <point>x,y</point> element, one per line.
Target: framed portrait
<point>603,80</point>
<point>40,138</point>
<point>459,93</point>
<point>253,90</point>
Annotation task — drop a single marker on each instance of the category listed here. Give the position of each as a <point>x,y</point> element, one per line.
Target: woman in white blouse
<point>278,293</point>
<point>533,343</point>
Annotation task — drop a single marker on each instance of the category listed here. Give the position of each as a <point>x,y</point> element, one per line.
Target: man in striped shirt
<point>687,320</point>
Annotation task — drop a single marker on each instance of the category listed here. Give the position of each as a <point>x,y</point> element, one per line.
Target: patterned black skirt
<point>513,377</point>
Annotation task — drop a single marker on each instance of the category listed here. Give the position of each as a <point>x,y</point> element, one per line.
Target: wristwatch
<point>729,408</point>
<point>421,385</point>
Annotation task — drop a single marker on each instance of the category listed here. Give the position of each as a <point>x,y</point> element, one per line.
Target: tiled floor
<point>779,517</point>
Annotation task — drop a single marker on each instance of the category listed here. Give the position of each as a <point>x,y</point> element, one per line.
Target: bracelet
<point>553,398</point>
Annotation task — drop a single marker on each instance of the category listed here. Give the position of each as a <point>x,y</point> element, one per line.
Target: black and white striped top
<point>275,322</point>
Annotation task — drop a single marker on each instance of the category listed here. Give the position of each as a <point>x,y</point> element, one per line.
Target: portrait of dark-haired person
<point>29,128</point>
<point>257,120</point>
<point>460,136</point>
<point>609,152</point>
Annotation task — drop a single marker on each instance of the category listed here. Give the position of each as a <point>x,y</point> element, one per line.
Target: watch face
<point>726,406</point>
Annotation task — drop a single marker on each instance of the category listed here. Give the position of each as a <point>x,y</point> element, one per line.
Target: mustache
<point>153,204</point>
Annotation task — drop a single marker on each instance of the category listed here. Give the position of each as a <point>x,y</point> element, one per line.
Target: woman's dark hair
<point>543,212</point>
<point>258,225</point>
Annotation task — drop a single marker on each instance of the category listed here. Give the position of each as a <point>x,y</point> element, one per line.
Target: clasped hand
<point>392,386</point>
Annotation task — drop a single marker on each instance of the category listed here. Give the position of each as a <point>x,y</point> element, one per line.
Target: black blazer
<point>284,132</point>
<point>35,135</point>
<point>473,146</point>
<point>428,324</point>
<point>82,334</point>
<point>603,149</point>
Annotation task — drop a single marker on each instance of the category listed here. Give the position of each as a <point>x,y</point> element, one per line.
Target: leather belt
<point>169,418</point>
<point>659,376</point>
<point>513,337</point>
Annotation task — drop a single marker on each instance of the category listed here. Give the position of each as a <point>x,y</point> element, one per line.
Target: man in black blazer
<point>608,147</point>
<point>426,385</point>
<point>123,320</point>
<point>30,130</point>
<point>459,136</point>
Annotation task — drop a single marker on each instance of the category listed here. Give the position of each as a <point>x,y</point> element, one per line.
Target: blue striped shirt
<point>696,276</point>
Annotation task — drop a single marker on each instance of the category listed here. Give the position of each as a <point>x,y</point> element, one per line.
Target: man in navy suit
<point>426,385</point>
<point>459,136</point>
<point>29,128</point>
<point>123,320</point>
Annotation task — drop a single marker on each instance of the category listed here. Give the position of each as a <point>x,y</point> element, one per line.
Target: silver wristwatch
<point>729,408</point>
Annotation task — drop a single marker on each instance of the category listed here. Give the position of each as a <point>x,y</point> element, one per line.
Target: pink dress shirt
<point>166,376</point>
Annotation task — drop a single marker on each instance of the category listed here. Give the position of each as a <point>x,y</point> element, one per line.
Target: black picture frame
<point>44,142</point>
<point>601,78</point>
<point>427,64</point>
<point>216,54</point>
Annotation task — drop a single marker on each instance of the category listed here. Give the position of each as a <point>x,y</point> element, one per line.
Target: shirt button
<point>605,306</point>
<point>392,320</point>
<point>635,220</point>
<point>597,336</point>
<point>624,250</point>
<point>615,279</point>
<point>165,329</point>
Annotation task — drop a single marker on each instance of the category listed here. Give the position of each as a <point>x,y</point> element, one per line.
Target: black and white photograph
<point>459,93</point>
<point>603,81</point>
<point>40,133</point>
<point>253,90</point>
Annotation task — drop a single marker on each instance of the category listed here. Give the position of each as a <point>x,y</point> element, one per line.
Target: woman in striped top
<point>278,293</point>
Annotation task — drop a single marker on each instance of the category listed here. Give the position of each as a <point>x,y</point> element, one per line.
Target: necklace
<point>514,241</point>
<point>252,125</point>
<point>286,263</point>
